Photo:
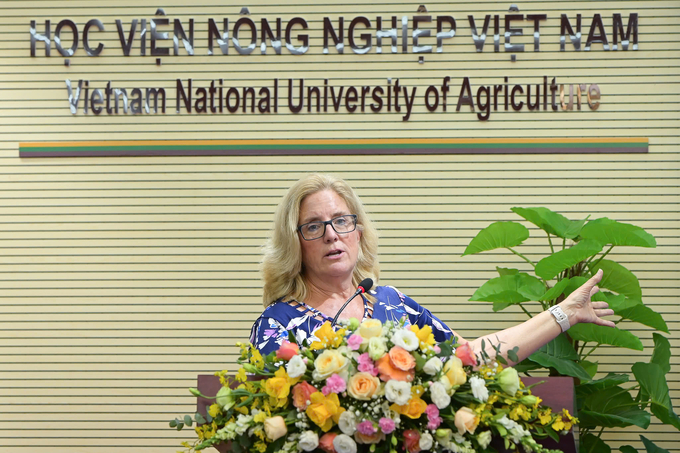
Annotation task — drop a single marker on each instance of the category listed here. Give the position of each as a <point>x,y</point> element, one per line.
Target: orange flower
<point>301,394</point>
<point>326,442</point>
<point>363,386</point>
<point>466,420</point>
<point>402,359</point>
<point>389,370</point>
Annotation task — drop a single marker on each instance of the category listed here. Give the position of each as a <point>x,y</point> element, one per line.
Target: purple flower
<point>366,428</point>
<point>386,425</point>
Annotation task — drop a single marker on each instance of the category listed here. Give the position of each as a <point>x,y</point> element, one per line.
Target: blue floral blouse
<point>272,327</point>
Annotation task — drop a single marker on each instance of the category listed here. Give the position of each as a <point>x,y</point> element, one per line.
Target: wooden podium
<point>556,392</point>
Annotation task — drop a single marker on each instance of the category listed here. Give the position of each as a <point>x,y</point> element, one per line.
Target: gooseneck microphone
<point>364,286</point>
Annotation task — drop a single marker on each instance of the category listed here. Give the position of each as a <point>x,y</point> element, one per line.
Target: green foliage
<point>551,222</point>
<point>498,235</point>
<point>650,447</point>
<point>555,263</point>
<point>593,444</point>
<point>583,248</point>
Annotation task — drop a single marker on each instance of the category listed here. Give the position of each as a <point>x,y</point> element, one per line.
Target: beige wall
<point>122,278</point>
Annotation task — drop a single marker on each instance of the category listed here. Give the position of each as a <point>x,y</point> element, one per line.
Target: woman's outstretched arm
<point>534,333</point>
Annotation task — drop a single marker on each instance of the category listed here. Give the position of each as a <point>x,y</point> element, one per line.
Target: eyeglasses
<point>341,225</point>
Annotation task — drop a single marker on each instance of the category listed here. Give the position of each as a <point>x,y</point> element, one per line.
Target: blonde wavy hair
<point>282,269</point>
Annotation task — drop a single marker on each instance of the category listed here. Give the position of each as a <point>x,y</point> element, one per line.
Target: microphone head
<point>366,284</point>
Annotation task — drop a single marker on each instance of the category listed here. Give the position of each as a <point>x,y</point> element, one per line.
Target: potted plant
<point>575,251</point>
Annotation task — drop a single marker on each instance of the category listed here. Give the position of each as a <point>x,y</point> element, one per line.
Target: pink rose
<point>287,350</point>
<point>354,341</point>
<point>465,354</point>
<point>412,441</point>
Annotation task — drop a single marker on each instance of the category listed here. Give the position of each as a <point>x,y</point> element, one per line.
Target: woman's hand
<point>579,308</point>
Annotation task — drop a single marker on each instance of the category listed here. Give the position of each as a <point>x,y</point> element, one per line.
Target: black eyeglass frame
<point>326,223</point>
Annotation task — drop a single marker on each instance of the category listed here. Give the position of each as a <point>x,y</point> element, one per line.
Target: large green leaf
<point>591,443</point>
<point>605,335</point>
<point>574,284</point>
<point>611,380</point>
<point>651,447</point>
<point>506,271</point>
<point>644,315</point>
<point>553,264</point>
<point>497,235</point>
<point>627,449</point>
<point>560,354</point>
<point>556,291</point>
<point>662,353</point>
<point>653,380</point>
<point>509,289</point>
<point>551,222</point>
<point>618,279</point>
<point>607,231</point>
<point>612,407</point>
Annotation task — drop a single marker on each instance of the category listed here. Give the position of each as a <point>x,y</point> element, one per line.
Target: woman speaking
<point>323,246</point>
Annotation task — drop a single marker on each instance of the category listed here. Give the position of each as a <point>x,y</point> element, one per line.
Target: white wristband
<point>560,317</point>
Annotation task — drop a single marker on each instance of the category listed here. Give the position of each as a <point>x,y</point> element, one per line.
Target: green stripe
<point>76,148</point>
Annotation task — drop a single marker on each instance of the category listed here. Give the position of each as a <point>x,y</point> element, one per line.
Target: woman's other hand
<point>580,308</point>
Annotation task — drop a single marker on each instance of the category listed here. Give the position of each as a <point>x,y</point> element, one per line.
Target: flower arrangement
<point>373,387</point>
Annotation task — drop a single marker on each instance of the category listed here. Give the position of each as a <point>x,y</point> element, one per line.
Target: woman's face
<point>333,255</point>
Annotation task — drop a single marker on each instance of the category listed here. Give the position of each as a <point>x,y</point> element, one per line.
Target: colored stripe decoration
<point>348,146</point>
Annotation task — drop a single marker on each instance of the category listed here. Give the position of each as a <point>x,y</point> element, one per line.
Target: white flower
<point>309,440</point>
<point>433,366</point>
<point>347,423</point>
<point>344,444</point>
<point>242,424</point>
<point>517,433</point>
<point>507,423</point>
<point>439,395</point>
<point>406,339</point>
<point>479,389</point>
<point>296,367</point>
<point>484,439</point>
<point>426,441</point>
<point>377,348</point>
<point>398,392</point>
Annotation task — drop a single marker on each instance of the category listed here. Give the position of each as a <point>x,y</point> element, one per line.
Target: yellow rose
<point>275,427</point>
<point>329,362</point>
<point>324,410</point>
<point>278,387</point>
<point>369,329</point>
<point>363,386</point>
<point>454,372</point>
<point>413,409</point>
<point>466,420</point>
